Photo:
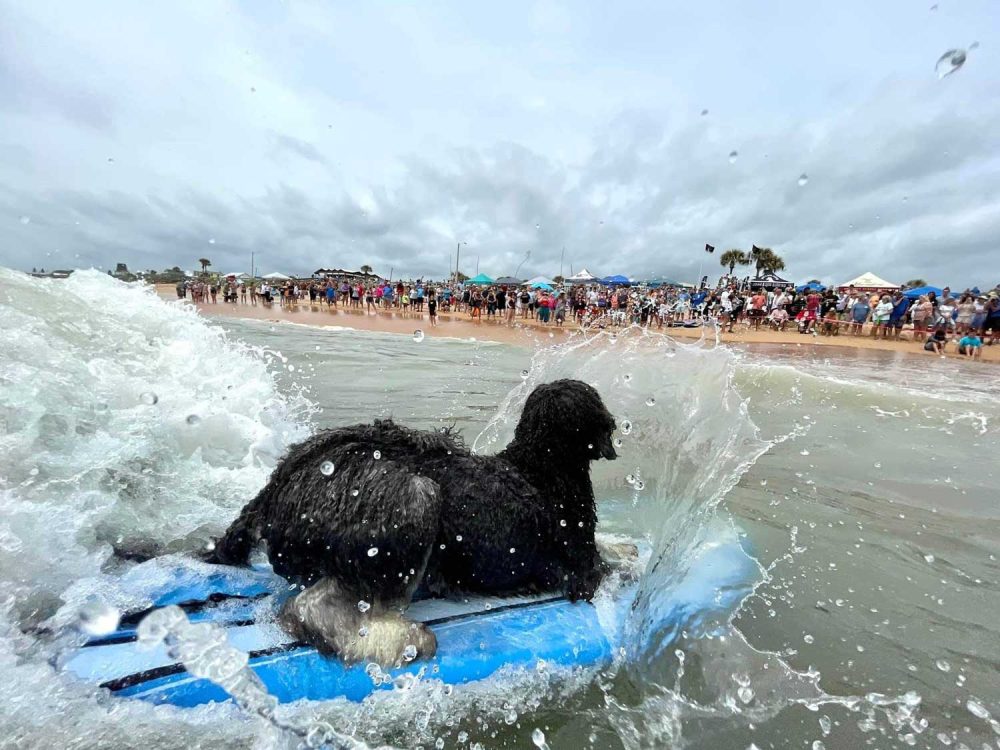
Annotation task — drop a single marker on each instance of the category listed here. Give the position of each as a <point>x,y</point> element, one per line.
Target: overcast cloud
<point>317,134</point>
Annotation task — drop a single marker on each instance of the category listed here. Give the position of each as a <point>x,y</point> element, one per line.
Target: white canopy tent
<point>869,281</point>
<point>276,276</point>
<point>540,280</point>
<point>583,276</point>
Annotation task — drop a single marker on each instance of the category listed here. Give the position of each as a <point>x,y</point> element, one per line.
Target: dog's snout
<point>608,451</point>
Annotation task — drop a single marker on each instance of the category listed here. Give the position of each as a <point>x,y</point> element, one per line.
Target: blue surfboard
<point>477,636</point>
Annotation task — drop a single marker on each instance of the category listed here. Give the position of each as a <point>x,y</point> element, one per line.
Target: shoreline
<point>528,332</point>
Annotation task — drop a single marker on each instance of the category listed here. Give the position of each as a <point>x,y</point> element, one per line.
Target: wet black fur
<point>425,492</point>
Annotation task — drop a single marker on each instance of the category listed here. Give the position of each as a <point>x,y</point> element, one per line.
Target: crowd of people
<point>968,319</point>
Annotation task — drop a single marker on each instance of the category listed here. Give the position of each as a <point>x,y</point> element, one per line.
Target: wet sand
<point>528,332</point>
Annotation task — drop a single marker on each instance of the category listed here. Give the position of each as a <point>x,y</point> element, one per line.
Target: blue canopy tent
<point>661,281</point>
<point>920,291</point>
<point>810,287</point>
<point>541,285</point>
<point>618,279</point>
<point>480,279</point>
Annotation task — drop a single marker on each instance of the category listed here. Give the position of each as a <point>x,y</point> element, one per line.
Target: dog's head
<point>568,418</point>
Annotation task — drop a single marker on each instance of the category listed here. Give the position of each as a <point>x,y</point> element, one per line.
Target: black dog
<point>401,508</point>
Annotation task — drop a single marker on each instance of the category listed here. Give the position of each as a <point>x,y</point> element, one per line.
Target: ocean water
<point>866,485</point>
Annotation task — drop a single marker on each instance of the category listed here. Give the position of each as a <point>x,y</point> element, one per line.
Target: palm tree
<point>733,258</point>
<point>765,259</point>
<point>915,283</point>
<point>205,263</point>
<point>366,269</point>
<point>558,279</point>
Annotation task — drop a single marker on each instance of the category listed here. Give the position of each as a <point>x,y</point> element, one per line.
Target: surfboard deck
<point>477,636</point>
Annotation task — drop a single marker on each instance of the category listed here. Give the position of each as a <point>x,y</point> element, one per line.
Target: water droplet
<point>25,219</point>
<point>97,617</point>
<point>192,419</point>
<point>942,665</point>
<point>630,478</point>
<point>538,226</point>
<point>149,398</point>
<point>650,401</point>
<point>745,694</point>
<point>562,521</point>
<point>538,737</point>
<point>418,335</point>
<point>364,606</point>
<point>524,374</point>
<point>291,368</point>
<point>211,241</point>
<point>878,464</point>
<point>929,558</point>
<point>804,452</point>
<point>410,652</point>
<point>355,492</point>
<point>625,427</point>
<point>949,62</point>
<point>617,442</point>
<point>808,638</point>
<point>363,631</point>
<point>817,745</point>
<point>977,709</point>
<point>326,468</point>
<point>627,377</point>
<point>803,179</point>
<point>639,484</point>
<point>513,550</point>
<point>372,551</point>
<point>377,455</point>
<point>458,537</point>
<point>763,483</point>
<point>510,717</point>
<point>733,156</point>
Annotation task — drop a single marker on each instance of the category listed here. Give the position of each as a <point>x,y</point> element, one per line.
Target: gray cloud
<point>336,162</point>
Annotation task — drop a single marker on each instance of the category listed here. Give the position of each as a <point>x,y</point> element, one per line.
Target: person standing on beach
<point>859,314</point>
<point>900,305</point>
<point>432,307</point>
<point>922,312</point>
<point>966,311</point>
<point>880,318</point>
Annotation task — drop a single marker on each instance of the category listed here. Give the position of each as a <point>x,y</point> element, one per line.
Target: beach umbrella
<point>541,285</point>
<point>509,281</point>
<point>810,287</point>
<point>480,279</point>
<point>919,291</point>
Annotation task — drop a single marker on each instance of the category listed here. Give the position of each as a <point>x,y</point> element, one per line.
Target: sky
<point>544,137</point>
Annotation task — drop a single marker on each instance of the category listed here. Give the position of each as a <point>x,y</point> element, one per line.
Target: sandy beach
<point>528,332</point>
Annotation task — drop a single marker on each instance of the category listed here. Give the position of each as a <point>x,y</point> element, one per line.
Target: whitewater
<point>866,487</point>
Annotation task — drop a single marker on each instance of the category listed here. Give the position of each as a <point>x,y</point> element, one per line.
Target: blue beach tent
<point>618,279</point>
<point>810,287</point>
<point>920,291</point>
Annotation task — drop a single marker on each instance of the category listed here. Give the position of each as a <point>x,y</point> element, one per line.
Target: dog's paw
<point>584,585</point>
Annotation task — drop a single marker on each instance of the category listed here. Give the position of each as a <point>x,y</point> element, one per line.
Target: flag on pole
<point>709,248</point>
